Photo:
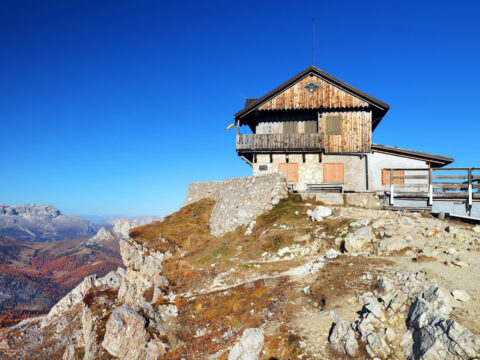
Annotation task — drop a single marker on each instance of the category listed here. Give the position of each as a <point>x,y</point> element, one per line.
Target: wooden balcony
<point>279,142</point>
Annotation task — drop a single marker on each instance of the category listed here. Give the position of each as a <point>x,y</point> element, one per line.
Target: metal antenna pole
<point>313,40</point>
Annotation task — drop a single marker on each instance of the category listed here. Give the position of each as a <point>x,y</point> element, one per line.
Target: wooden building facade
<point>318,130</point>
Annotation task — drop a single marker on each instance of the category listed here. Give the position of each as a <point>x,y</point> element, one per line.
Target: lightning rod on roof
<point>313,40</point>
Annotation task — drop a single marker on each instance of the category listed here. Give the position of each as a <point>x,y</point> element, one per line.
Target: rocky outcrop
<point>319,213</point>
<point>360,239</point>
<point>431,336</point>
<point>42,223</point>
<point>144,269</point>
<point>342,338</point>
<point>249,346</point>
<point>239,201</point>
<point>126,335</point>
<point>102,236</point>
<point>75,297</point>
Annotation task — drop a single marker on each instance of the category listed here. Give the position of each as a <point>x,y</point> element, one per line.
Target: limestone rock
<point>73,298</point>
<point>342,338</point>
<point>320,212</point>
<point>387,246</point>
<point>440,298</point>
<point>249,346</point>
<point>125,334</point>
<point>360,239</point>
<point>460,295</point>
<point>477,229</point>
<point>69,353</point>
<point>430,336</point>
<point>331,254</point>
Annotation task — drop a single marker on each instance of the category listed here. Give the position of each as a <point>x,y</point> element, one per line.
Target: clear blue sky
<point>113,107</point>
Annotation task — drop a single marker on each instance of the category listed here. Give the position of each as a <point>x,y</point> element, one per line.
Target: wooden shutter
<point>290,169</point>
<point>311,127</point>
<point>333,173</point>
<point>290,127</point>
<point>333,125</point>
<point>386,177</point>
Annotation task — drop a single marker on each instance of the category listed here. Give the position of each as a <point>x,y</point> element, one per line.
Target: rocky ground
<point>303,281</point>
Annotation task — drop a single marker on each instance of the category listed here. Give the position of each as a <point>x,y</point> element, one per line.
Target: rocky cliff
<point>304,280</point>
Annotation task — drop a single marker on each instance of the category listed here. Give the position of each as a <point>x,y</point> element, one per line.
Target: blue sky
<point>113,107</point>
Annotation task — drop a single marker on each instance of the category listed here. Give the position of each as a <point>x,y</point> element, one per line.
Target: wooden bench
<point>326,187</point>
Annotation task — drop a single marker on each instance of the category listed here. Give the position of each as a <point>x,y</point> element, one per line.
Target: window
<point>333,124</point>
<point>311,127</point>
<point>290,169</point>
<point>290,127</point>
<point>386,177</point>
<point>333,173</point>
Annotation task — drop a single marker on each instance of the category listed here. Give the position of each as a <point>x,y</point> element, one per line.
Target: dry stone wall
<point>239,201</point>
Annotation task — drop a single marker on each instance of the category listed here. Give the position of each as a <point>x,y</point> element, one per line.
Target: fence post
<point>430,188</point>
<point>469,203</point>
<point>392,201</point>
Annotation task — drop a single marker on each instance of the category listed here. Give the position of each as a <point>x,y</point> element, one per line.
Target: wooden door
<point>291,170</point>
<point>333,173</point>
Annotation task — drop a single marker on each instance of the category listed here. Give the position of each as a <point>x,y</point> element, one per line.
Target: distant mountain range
<point>44,254</point>
<point>42,223</point>
<point>39,223</point>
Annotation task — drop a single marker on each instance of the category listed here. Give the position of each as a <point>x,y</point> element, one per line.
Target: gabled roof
<point>252,104</point>
<point>435,160</point>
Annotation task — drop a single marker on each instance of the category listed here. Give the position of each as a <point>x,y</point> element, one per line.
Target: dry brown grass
<point>338,280</point>
<point>186,229</point>
<point>222,316</point>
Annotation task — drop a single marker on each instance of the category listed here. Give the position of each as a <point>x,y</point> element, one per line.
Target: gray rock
<point>460,295</point>
<point>440,298</point>
<point>125,334</point>
<point>320,212</point>
<point>342,338</point>
<point>429,336</point>
<point>331,254</point>
<point>249,346</point>
<point>359,240</point>
<point>387,246</point>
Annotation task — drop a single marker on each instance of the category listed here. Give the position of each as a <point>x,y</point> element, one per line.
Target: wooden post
<point>430,188</point>
<point>469,203</point>
<point>392,201</point>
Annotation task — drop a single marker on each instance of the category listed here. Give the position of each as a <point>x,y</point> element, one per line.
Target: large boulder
<point>342,338</point>
<point>249,345</point>
<point>319,213</point>
<point>125,334</point>
<point>388,246</point>
<point>360,239</point>
<point>431,337</point>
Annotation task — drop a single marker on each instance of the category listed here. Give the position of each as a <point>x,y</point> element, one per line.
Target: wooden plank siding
<point>289,169</point>
<point>356,132</point>
<point>327,96</point>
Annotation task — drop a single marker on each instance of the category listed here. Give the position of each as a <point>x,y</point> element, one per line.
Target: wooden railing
<point>448,183</point>
<point>273,142</point>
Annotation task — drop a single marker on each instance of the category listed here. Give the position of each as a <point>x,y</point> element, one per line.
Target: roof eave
<point>384,107</point>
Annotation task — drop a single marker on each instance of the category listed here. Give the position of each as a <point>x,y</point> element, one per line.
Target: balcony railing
<point>275,142</point>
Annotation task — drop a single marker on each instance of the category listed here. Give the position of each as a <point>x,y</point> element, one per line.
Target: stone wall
<point>239,200</point>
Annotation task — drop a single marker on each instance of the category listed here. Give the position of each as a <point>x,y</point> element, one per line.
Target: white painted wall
<point>378,161</point>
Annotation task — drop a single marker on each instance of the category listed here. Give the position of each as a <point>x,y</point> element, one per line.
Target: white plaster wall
<point>378,161</point>
<point>311,171</point>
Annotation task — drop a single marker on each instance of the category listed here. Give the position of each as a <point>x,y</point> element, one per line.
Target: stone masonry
<point>239,200</point>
